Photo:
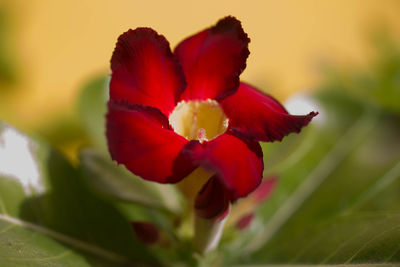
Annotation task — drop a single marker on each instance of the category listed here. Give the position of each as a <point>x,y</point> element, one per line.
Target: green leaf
<point>43,196</point>
<point>22,246</point>
<point>92,109</point>
<point>337,197</point>
<point>106,177</point>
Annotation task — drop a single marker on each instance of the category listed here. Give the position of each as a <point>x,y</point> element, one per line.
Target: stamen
<point>201,135</point>
<point>198,120</point>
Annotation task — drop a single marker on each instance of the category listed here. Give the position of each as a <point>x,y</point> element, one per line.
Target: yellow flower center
<point>198,119</point>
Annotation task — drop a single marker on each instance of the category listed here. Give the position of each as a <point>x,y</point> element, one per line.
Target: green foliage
<point>107,178</point>
<point>48,200</point>
<point>21,246</point>
<point>92,107</point>
<point>337,199</point>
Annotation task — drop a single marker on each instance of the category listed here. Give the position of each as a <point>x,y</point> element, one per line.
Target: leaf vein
<point>347,142</point>
<point>369,241</point>
<point>98,251</point>
<point>56,257</point>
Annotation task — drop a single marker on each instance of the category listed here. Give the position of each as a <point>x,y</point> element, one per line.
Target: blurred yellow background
<point>59,45</point>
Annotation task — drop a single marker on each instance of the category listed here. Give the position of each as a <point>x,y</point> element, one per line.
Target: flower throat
<point>198,119</point>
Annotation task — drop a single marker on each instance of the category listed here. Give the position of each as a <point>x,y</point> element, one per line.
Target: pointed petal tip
<point>258,116</point>
<point>300,122</point>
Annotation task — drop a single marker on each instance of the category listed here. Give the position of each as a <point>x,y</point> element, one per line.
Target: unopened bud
<point>211,210</point>
<point>146,232</point>
<point>245,221</point>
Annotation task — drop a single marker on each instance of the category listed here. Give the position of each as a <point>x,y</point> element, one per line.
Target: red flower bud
<point>245,221</point>
<point>146,232</point>
<point>212,201</point>
<point>264,190</point>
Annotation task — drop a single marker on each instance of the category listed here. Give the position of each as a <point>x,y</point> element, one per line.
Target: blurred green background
<point>337,199</point>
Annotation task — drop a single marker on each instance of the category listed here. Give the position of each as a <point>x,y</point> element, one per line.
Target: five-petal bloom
<point>171,112</point>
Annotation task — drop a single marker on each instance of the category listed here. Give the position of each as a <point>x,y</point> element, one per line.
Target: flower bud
<point>146,232</point>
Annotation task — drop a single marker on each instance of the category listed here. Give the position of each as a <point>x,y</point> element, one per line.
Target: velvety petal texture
<point>148,81</point>
<point>140,138</point>
<point>144,71</point>
<point>237,163</point>
<point>213,59</point>
<point>260,117</point>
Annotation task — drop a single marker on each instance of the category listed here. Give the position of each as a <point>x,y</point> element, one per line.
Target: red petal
<point>213,199</point>
<point>213,60</point>
<point>144,71</point>
<point>259,116</point>
<point>139,137</point>
<point>237,163</point>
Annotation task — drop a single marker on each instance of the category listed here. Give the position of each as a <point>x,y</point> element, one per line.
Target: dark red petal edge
<point>141,139</point>
<point>213,199</point>
<point>145,71</point>
<point>260,117</point>
<point>237,162</point>
<point>213,59</point>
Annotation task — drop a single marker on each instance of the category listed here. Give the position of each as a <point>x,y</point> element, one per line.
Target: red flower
<point>170,112</point>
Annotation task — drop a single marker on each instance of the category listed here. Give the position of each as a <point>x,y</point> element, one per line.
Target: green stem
<point>208,233</point>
